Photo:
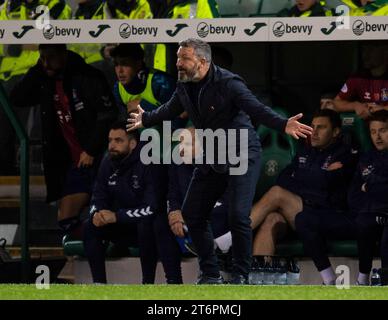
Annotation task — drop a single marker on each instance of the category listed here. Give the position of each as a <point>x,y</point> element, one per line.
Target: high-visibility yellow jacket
<point>201,9</point>
<point>17,10</point>
<point>138,9</point>
<point>376,8</point>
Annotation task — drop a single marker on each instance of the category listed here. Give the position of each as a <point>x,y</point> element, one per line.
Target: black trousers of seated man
<point>316,226</point>
<point>153,237</point>
<point>369,233</point>
<point>204,190</point>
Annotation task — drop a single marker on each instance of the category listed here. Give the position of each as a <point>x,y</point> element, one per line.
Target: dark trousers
<point>152,236</point>
<point>315,226</point>
<point>369,233</point>
<point>202,194</point>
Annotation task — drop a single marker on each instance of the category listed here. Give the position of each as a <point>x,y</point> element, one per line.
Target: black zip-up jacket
<point>372,171</point>
<point>179,177</point>
<point>93,110</point>
<point>224,102</point>
<point>129,188</point>
<point>308,177</point>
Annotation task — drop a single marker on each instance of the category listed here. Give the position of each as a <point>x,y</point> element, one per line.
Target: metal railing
<point>24,181</point>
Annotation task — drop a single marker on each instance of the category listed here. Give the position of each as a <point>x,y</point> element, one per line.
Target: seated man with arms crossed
<point>368,199</point>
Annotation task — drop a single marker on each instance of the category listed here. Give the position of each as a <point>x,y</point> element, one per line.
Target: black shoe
<point>210,280</point>
<point>238,279</point>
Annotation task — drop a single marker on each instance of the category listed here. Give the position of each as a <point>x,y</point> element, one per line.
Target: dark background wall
<point>293,75</point>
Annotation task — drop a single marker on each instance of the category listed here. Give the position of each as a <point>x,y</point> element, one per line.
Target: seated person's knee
<point>273,219</point>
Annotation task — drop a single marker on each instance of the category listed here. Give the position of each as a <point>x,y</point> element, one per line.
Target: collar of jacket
<point>139,83</point>
<point>74,63</point>
<point>381,153</point>
<point>215,74</point>
<point>337,144</point>
<point>123,165</point>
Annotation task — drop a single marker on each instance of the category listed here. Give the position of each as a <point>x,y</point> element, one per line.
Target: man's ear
<point>132,144</point>
<point>203,62</point>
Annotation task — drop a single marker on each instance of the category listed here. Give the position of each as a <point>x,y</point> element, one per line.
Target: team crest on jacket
<point>302,161</point>
<point>367,171</point>
<point>326,164</point>
<point>112,179</point>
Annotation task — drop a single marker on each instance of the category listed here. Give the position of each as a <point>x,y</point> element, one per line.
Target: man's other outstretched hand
<point>296,129</point>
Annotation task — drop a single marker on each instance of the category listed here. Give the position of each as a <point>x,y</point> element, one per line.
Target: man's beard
<point>118,156</point>
<point>188,75</point>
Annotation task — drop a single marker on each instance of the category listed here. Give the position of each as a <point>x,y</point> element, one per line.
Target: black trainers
<point>238,279</point>
<point>210,280</point>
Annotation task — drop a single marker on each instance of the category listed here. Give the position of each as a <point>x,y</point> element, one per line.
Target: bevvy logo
<point>279,29</point>
<point>204,29</point>
<point>127,30</point>
<point>360,27</point>
<point>49,31</point>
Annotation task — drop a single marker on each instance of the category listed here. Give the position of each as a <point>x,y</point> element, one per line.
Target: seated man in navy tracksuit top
<point>368,197</point>
<point>128,208</point>
<point>310,194</point>
<point>322,180</point>
<point>179,180</point>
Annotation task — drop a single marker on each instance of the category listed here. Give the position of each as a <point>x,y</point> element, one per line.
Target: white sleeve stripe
<point>138,214</point>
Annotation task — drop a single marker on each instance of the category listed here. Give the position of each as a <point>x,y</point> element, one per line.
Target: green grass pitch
<point>188,292</point>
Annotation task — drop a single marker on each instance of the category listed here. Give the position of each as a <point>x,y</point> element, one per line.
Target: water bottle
<point>257,270</point>
<point>293,272</point>
<point>269,273</point>
<point>260,270</point>
<point>276,269</point>
<point>281,272</point>
<point>252,277</point>
<point>375,279</point>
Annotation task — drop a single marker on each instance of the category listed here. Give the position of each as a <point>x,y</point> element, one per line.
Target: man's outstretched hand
<point>296,129</point>
<point>134,120</point>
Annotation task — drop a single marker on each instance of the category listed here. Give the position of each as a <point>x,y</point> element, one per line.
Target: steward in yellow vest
<point>178,9</point>
<point>17,59</point>
<point>107,9</point>
<point>137,84</point>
